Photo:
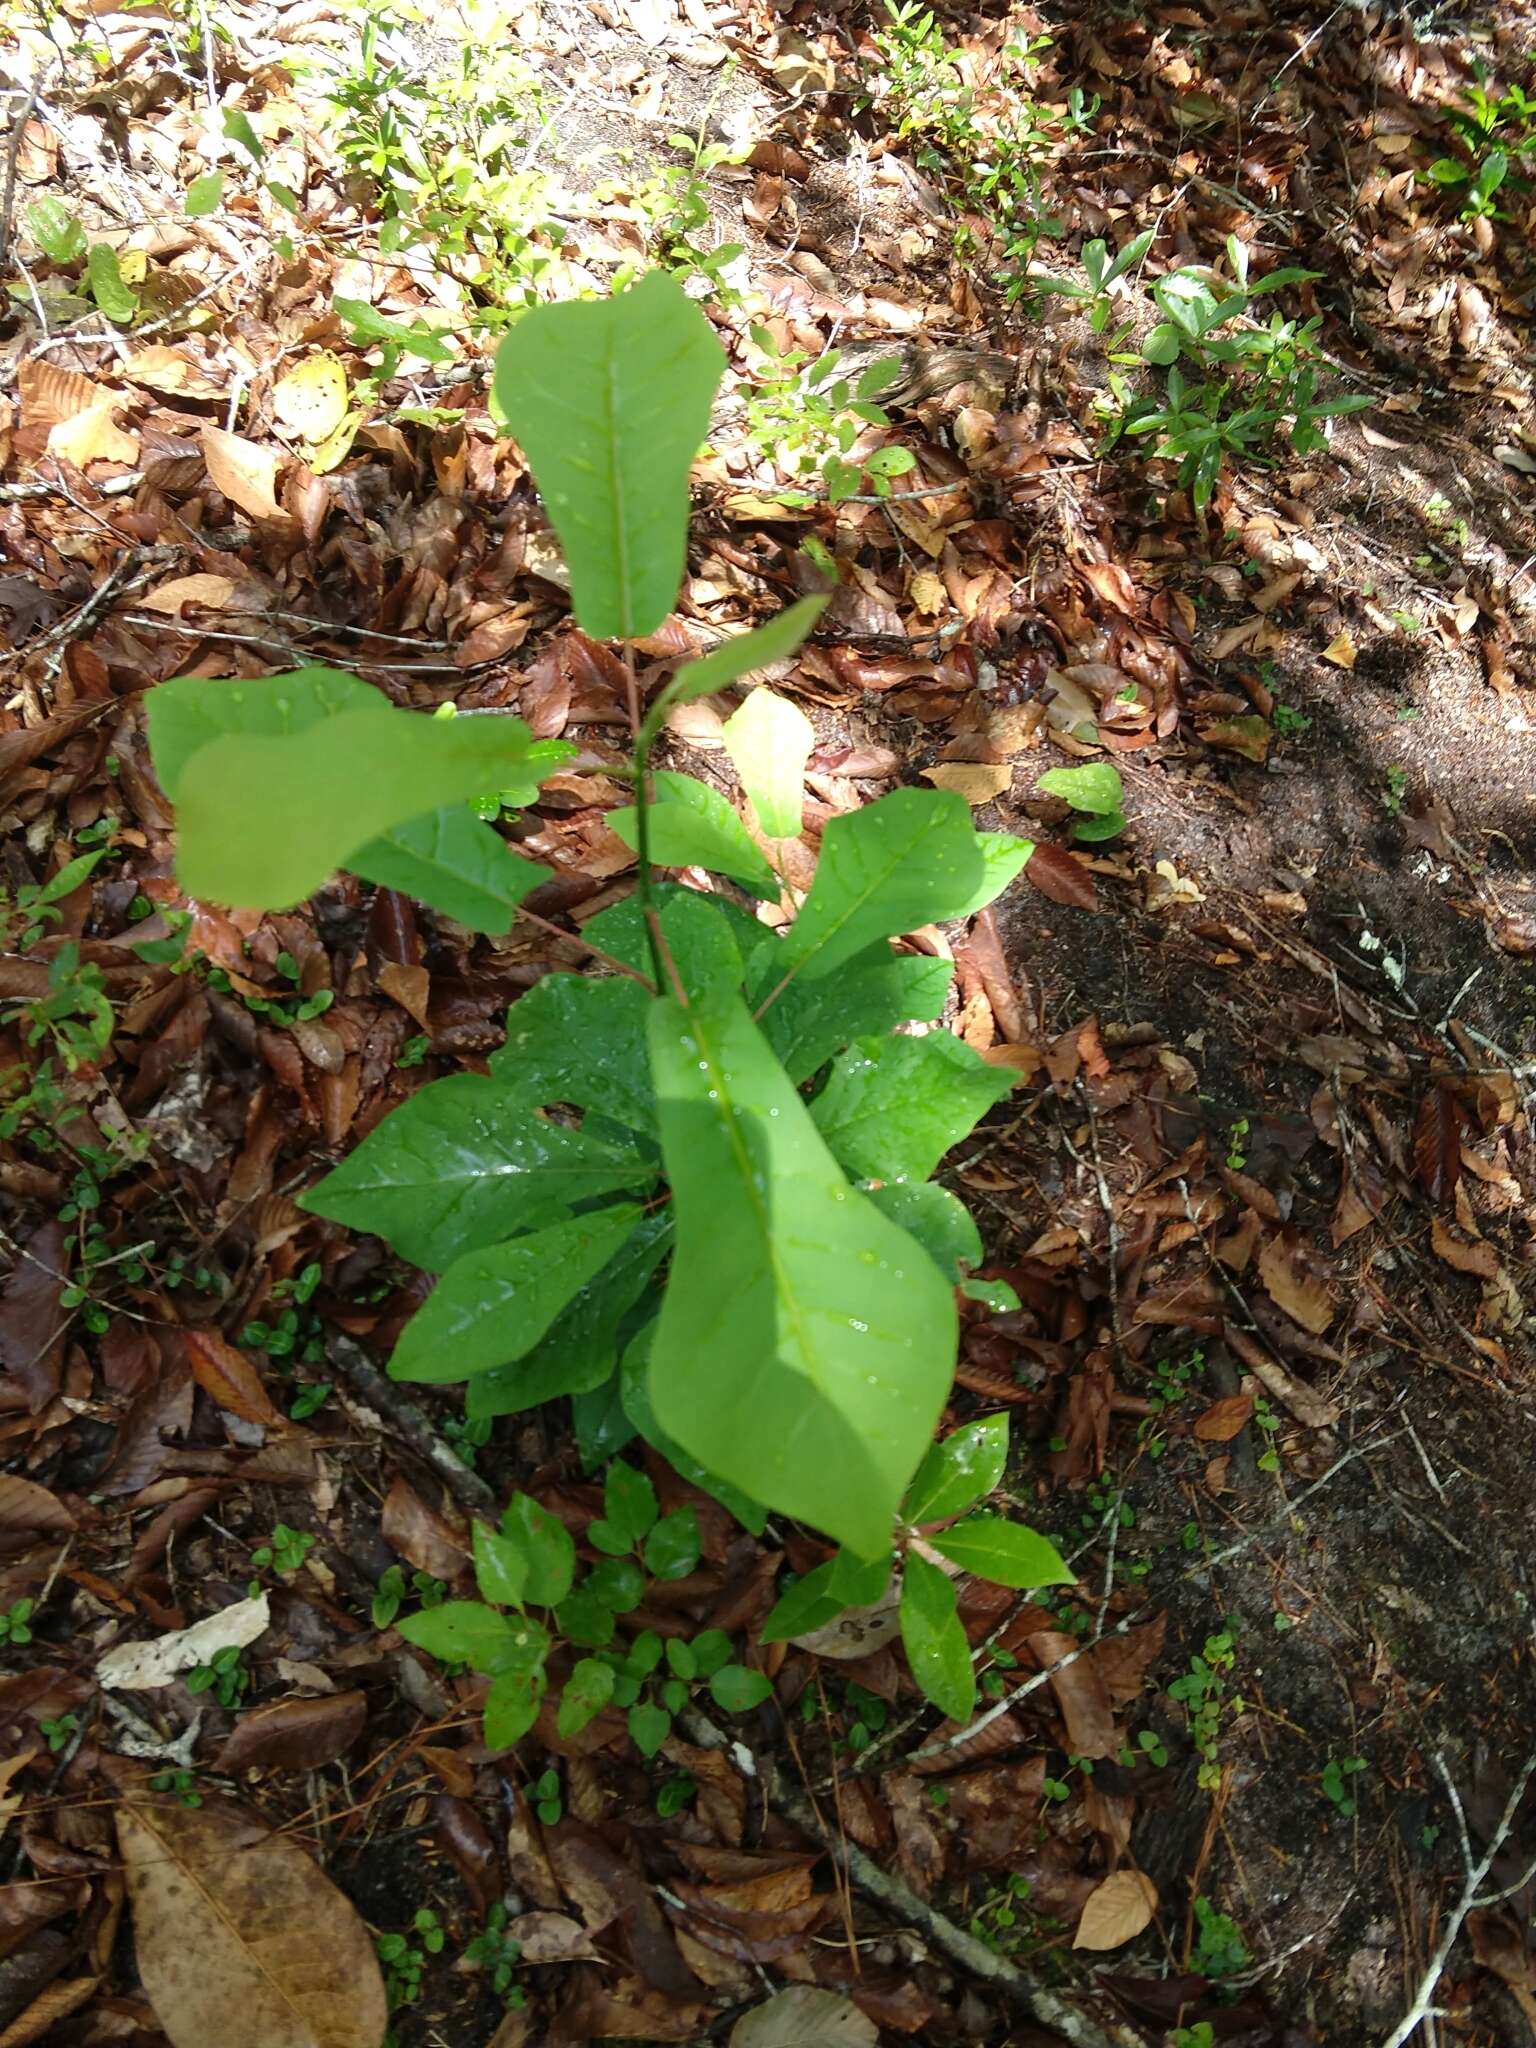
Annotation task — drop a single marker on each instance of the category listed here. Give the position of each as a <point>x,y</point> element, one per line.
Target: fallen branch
<point>466,1487</point>
<point>1423,2005</point>
<point>1045,2007</point>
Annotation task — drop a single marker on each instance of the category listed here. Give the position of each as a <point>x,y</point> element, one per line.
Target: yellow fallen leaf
<point>212,591</point>
<point>1340,651</point>
<point>928,593</point>
<point>1116,1911</point>
<point>311,401</point>
<point>977,781</point>
<point>94,436</point>
<point>246,474</point>
<point>173,371</point>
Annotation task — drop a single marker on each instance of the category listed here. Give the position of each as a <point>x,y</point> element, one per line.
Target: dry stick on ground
<point>466,1487</point>
<point>1046,2007</point>
<point>1423,2005</point>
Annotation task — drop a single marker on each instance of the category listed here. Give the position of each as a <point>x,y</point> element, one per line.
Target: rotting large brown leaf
<point>1061,876</point>
<point>294,1735</point>
<point>803,2017</point>
<point>1291,1281</point>
<point>240,1939</point>
<point>229,1378</point>
<point>1437,1142</point>
<point>32,1320</point>
<point>1080,1693</point>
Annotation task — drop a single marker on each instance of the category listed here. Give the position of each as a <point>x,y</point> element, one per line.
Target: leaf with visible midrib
<point>806,1344</point>
<point>907,859</point>
<point>264,822</point>
<point>463,1163</point>
<point>240,1939</point>
<point>609,399</point>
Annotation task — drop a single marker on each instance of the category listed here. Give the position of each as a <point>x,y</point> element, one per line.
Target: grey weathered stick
<point>1423,2004</point>
<point>1046,2007</point>
<point>12,154</point>
<point>353,1363</point>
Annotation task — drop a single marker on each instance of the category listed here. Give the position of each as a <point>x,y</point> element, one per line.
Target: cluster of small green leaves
<point>1219,1950</point>
<point>1496,135</point>
<point>531,1563</point>
<point>808,415</point>
<point>224,1675</point>
<point>403,1961</point>
<point>938,1525</point>
<point>1202,1692</point>
<point>986,156</point>
<point>1251,381</point>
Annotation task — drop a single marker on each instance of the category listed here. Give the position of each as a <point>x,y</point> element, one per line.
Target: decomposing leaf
<point>244,472</point>
<point>977,781</point>
<point>295,1735</point>
<point>1061,876</point>
<point>214,592</point>
<point>1292,1282</point>
<point>1341,651</point>
<point>1437,1141</point>
<point>1466,1254</point>
<point>803,2017</point>
<point>1224,1418</point>
<point>230,1378</point>
<point>94,436</point>
<point>142,1667</point>
<point>239,1937</point>
<point>1117,1910</point>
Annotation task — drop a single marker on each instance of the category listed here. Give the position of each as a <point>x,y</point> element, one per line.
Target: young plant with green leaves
<point>1235,385</point>
<point>1095,792</point>
<point>942,1531</point>
<point>1103,273</point>
<point>727,1240</point>
<point>807,415</point>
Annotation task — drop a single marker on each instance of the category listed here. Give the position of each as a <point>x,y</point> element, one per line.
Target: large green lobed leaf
<point>806,1343</point>
<point>610,399</point>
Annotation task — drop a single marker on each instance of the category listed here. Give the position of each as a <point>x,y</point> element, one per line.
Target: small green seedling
<point>1337,1773</point>
<point>58,1733</point>
<point>1219,1951</point>
<point>1103,272</point>
<point>177,1785</point>
<point>1094,789</point>
<point>393,1593</point>
<point>498,1954</point>
<point>285,1553</point>
<point>224,1676</point>
<point>544,1793</point>
<point>14,1623</point>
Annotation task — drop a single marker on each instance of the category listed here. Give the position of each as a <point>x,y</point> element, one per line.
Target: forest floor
<point>1264,1189</point>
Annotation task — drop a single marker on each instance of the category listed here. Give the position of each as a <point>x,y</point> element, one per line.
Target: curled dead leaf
<point>977,781</point>
<point>246,474</point>
<point>229,1378</point>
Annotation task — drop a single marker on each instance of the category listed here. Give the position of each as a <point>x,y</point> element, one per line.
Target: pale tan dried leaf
<point>410,987</point>
<point>239,1938</point>
<point>1117,1911</point>
<point>1341,651</point>
<point>1309,1408</point>
<point>212,592</point>
<point>172,371</point>
<point>551,1938</point>
<point>1302,1293</point>
<point>977,781</point>
<point>93,436</point>
<point>1466,1254</point>
<point>803,2017</point>
<point>143,1667</point>
<point>50,393</point>
<point>246,474</point>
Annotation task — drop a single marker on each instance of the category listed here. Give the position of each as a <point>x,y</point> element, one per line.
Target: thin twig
<point>1044,2006</point>
<point>1423,2004</point>
<point>12,155</point>
<point>467,1487</point>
